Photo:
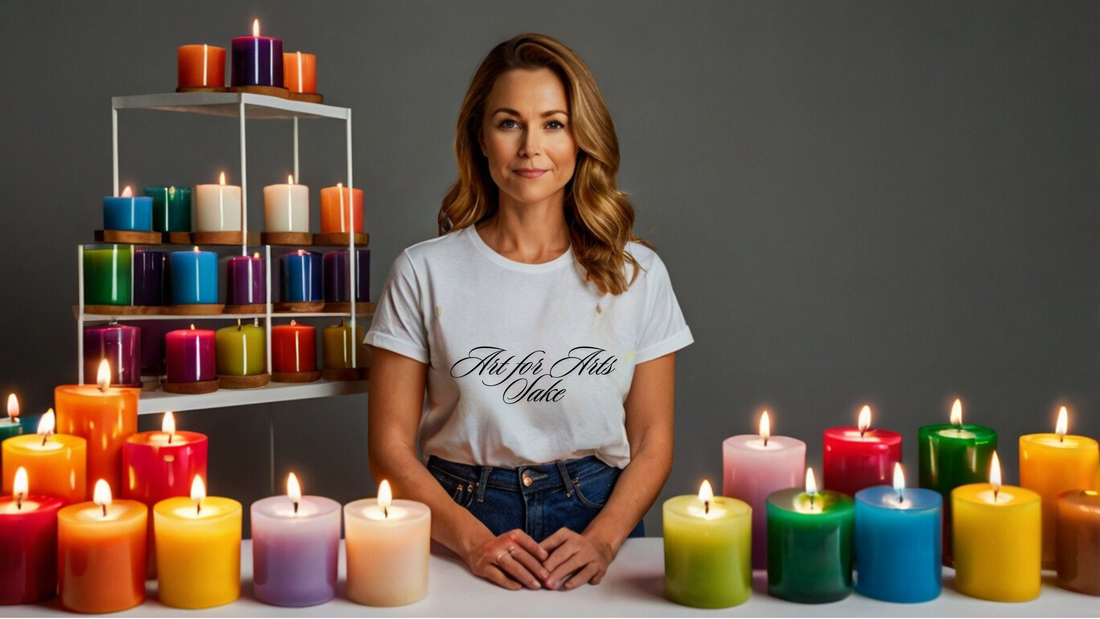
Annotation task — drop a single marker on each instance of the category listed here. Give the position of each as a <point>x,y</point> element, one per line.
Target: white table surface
<point>633,587</point>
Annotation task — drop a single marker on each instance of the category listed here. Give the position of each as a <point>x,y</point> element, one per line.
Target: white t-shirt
<point>528,363</point>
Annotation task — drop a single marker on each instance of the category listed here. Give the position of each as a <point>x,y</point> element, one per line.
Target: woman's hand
<point>572,553</point>
<point>512,560</point>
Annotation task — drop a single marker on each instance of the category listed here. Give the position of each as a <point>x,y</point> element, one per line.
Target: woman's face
<point>527,137</point>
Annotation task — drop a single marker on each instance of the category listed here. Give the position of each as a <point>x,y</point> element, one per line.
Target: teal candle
<point>127,212</point>
<point>171,208</point>
<point>898,544</point>
<point>107,275</point>
<point>15,424</point>
<point>194,276</point>
<point>810,545</point>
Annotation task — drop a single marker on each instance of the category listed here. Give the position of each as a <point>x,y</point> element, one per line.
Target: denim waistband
<point>526,479</point>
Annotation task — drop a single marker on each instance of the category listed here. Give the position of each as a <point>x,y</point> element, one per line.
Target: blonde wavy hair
<point>599,216</point>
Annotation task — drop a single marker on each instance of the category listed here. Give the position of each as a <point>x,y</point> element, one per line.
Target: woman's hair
<point>599,216</point>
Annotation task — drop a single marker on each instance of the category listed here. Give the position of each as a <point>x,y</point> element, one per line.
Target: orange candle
<point>201,66</point>
<point>334,209</point>
<point>102,415</point>
<point>300,72</point>
<point>56,462</point>
<point>101,554</point>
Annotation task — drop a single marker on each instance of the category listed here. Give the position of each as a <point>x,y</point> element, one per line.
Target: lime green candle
<point>107,275</point>
<point>240,350</point>
<point>708,550</point>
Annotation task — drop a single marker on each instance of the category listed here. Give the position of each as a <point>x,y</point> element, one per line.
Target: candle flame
<point>1063,423</point>
<point>127,192</point>
<point>289,179</point>
<point>765,427</point>
<point>192,326</point>
<point>46,424</point>
<point>864,419</point>
<point>256,27</point>
<point>198,489</point>
<point>102,495</point>
<point>103,376</point>
<point>899,481</point>
<point>385,497</point>
<point>706,495</point>
<point>221,179</point>
<point>293,323</point>
<point>995,475</point>
<point>957,413</point>
<point>168,425</point>
<point>13,406</point>
<point>811,483</point>
<point>293,489</point>
<point>20,486</point>
<point>256,255</point>
<point>339,186</point>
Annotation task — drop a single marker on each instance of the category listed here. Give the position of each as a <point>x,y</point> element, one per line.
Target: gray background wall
<point>883,203</point>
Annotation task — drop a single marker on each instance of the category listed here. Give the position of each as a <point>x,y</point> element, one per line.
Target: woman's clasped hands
<point>563,561</point>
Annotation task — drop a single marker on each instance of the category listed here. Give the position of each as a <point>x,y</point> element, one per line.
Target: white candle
<point>388,543</point>
<point>218,207</point>
<point>286,207</point>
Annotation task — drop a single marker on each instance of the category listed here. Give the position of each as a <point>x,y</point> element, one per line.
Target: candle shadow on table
<point>649,586</point>
<point>760,582</point>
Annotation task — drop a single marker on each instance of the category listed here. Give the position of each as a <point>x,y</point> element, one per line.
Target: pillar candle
<point>149,277</point>
<point>755,466</point>
<point>56,462</point>
<point>293,348</point>
<point>286,207</point>
<point>336,202</point>
<point>189,354</point>
<point>295,544</point>
<point>860,457</point>
<point>201,66</point>
<point>16,424</point>
<point>218,207</point>
<point>388,543</point>
<point>1051,464</point>
<point>810,544</point>
<point>128,212</point>
<point>1077,516</point>
<point>240,350</point>
<point>336,280</point>
<point>300,72</point>
<point>194,276</point>
<point>120,346</point>
<point>107,275</point>
<point>898,542</point>
<point>257,60</point>
<point>28,544</point>
<point>338,341</point>
<point>244,284</point>
<point>172,205</point>
<point>708,550</point>
<point>301,276</point>
<point>101,554</point>
<point>198,549</point>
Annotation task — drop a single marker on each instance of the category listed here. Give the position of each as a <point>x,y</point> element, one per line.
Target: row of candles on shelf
<point>256,61</point>
<point>217,208</point>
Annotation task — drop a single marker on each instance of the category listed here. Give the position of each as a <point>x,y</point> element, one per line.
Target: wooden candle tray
<point>299,307</point>
<point>243,382</point>
<point>286,238</point>
<point>128,237</point>
<point>308,97</point>
<point>362,308</point>
<point>271,91</point>
<point>193,309</point>
<point>202,89</point>
<point>176,238</point>
<point>251,308</point>
<point>341,239</point>
<point>203,386</point>
<point>295,377</point>
<point>233,237</point>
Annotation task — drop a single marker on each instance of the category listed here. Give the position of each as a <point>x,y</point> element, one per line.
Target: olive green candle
<point>810,545</point>
<point>171,208</point>
<point>107,275</point>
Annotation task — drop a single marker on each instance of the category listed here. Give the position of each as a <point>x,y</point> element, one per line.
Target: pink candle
<point>860,457</point>
<point>189,354</point>
<point>756,465</point>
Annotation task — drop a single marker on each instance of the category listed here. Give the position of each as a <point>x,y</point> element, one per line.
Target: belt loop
<point>483,483</point>
<point>567,481</point>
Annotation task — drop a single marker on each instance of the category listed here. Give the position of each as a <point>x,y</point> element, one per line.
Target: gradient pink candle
<point>189,354</point>
<point>860,457</point>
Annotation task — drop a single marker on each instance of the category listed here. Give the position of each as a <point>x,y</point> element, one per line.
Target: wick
<point>385,512</point>
<point>295,507</point>
<point>995,491</point>
<point>45,437</point>
<point>812,501</point>
<point>103,388</point>
<point>169,438</point>
<point>706,507</point>
<point>1061,438</point>
<point>765,441</point>
<point>105,511</point>
<point>901,498</point>
<point>861,433</point>
<point>19,501</point>
<point>198,507</point>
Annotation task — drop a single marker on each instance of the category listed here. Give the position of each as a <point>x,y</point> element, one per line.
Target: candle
<point>218,207</point>
<point>15,424</point>
<point>107,275</point>
<point>57,462</point>
<point>1077,513</point>
<point>708,554</point>
<point>194,277</point>
<point>293,348</point>
<point>104,416</point>
<point>189,354</point>
<point>997,540</point>
<point>201,66</point>
<point>127,212</point>
<point>245,280</point>
<point>240,350</point>
<point>118,345</point>
<point>300,72</point>
<point>148,277</point>
<point>101,553</point>
<point>898,542</point>
<point>198,549</point>
<point>336,279</point>
<point>1051,464</point>
<point>172,205</point>
<point>756,466</point>
<point>257,60</point>
<point>301,276</point>
<point>336,202</point>
<point>295,544</point>
<point>388,542</point>
<point>286,207</point>
<point>337,344</point>
<point>810,544</point>
<point>861,457</point>
<point>28,544</point>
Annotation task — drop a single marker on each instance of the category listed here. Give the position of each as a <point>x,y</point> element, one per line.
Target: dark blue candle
<point>127,212</point>
<point>194,276</point>
<point>898,544</point>
<point>301,276</point>
<point>148,278</point>
<point>244,284</point>
<point>257,61</point>
<point>336,276</point>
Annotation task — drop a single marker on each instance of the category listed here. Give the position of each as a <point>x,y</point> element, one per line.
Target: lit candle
<point>257,60</point>
<point>293,348</point>
<point>120,346</point>
<point>244,283</point>
<point>198,549</point>
<point>28,544</point>
<point>898,542</point>
<point>997,540</point>
<point>388,543</point>
<point>301,276</point>
<point>286,207</point>
<point>1077,513</point>
<point>810,544</point>
<point>295,543</point>
<point>860,457</point>
<point>1051,464</point>
<point>107,275</point>
<point>104,416</point>
<point>708,550</point>
<point>57,462</point>
<point>194,277</point>
<point>338,341</point>
<point>300,72</point>
<point>189,354</point>
<point>341,209</point>
<point>101,553</point>
<point>201,66</point>
<point>14,424</point>
<point>172,205</point>
<point>756,466</point>
<point>336,277</point>
<point>148,277</point>
<point>240,350</point>
<point>218,207</point>
<point>128,212</point>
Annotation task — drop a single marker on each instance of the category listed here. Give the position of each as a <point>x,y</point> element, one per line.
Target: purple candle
<point>120,345</point>
<point>336,276</point>
<point>148,277</point>
<point>245,280</point>
<point>257,60</point>
<point>190,355</point>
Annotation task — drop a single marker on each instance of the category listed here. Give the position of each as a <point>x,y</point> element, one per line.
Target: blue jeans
<point>537,499</point>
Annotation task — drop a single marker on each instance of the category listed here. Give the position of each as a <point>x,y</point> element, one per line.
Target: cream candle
<point>286,207</point>
<point>218,207</point>
<point>388,542</point>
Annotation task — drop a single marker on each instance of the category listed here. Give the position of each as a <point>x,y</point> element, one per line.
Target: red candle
<point>28,545</point>
<point>189,354</point>
<point>293,348</point>
<point>860,457</point>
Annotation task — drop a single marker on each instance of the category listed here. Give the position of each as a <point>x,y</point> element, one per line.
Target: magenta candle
<point>120,345</point>
<point>190,355</point>
<point>860,457</point>
<point>257,60</point>
<point>245,280</point>
<point>28,546</point>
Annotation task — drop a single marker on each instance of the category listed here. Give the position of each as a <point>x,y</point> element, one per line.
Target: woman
<point>543,331</point>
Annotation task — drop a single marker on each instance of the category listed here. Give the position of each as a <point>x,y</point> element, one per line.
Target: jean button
<point>527,481</point>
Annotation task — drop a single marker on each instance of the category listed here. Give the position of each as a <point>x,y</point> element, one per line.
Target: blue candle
<point>301,276</point>
<point>257,60</point>
<point>194,276</point>
<point>898,543</point>
<point>127,212</point>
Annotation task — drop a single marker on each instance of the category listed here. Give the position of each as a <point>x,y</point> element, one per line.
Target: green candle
<point>107,275</point>
<point>171,208</point>
<point>708,550</point>
<point>239,350</point>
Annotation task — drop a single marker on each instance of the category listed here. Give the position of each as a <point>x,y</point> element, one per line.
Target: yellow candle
<point>198,542</point>
<point>240,350</point>
<point>1051,464</point>
<point>338,343</point>
<point>388,543</point>
<point>56,462</point>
